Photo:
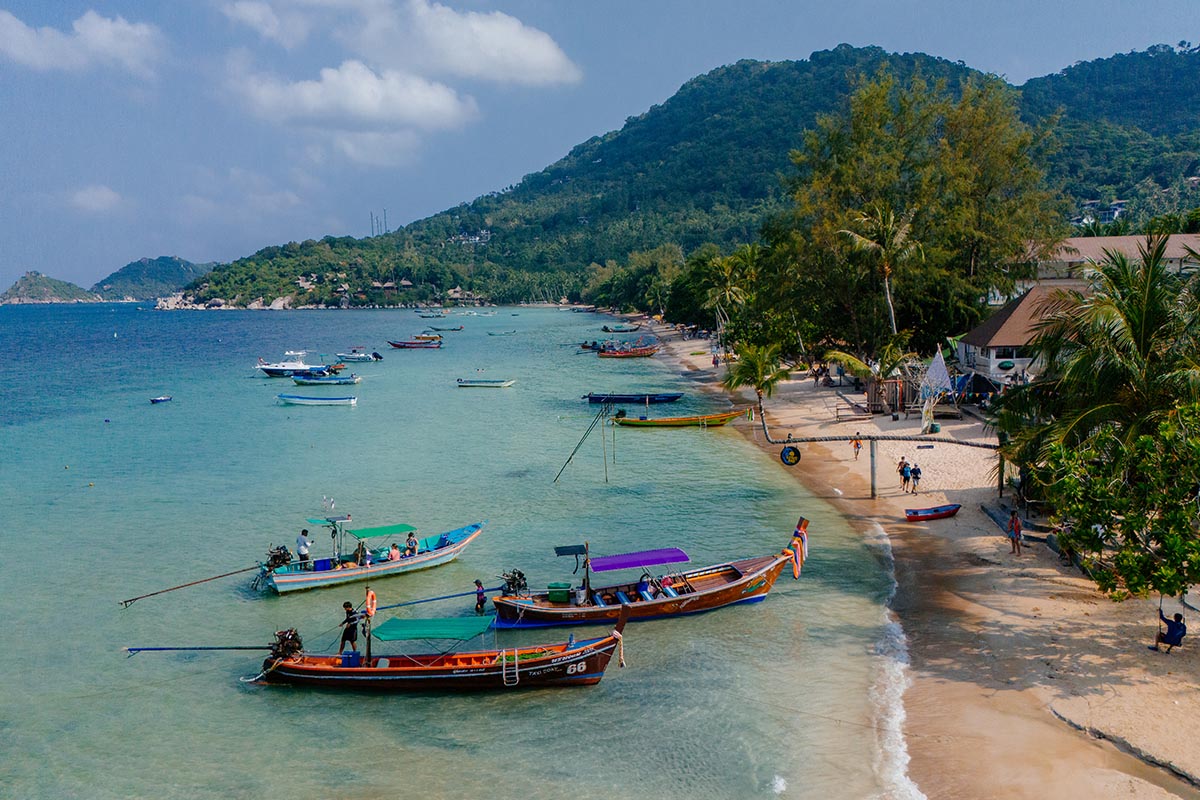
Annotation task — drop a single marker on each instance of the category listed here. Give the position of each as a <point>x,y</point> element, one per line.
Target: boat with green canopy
<point>356,558</point>
<point>568,663</point>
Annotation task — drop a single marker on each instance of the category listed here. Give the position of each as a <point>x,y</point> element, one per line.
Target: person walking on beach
<point>302,545</point>
<point>480,597</point>
<point>349,628</point>
<point>1176,630</point>
<point>856,443</point>
<point>900,470</point>
<point>916,478</point>
<point>1014,532</point>
<point>905,476</point>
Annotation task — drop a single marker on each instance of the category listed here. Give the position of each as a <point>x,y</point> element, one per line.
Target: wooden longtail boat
<point>567,663</point>
<point>415,345</point>
<point>936,512</point>
<point>698,421</point>
<point>633,352</point>
<point>675,594</point>
<point>621,328</point>
<point>652,397</point>
<point>343,567</point>
<point>428,337</point>
<point>436,328</point>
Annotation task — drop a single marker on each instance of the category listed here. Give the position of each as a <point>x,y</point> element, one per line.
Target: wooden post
<point>874,494</point>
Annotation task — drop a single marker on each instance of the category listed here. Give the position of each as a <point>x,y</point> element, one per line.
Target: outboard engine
<point>287,644</point>
<point>278,557</point>
<point>514,582</point>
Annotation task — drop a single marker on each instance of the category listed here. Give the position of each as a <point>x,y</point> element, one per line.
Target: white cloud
<point>418,36</point>
<point>355,97</point>
<point>96,199</point>
<point>288,28</point>
<point>94,41</point>
<point>491,46</point>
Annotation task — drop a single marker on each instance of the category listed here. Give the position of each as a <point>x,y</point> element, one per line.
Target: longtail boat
<point>698,421</point>
<point>621,328</point>
<point>436,328</point>
<point>483,383</point>
<point>650,397</point>
<point>306,400</point>
<point>415,345</point>
<point>632,352</point>
<point>570,663</point>
<point>283,575</point>
<point>428,337</point>
<point>935,512</point>
<point>670,595</point>
<point>326,380</point>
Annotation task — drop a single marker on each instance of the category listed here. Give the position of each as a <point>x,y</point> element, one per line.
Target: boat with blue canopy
<point>327,380</point>
<point>652,596</point>
<point>356,558</point>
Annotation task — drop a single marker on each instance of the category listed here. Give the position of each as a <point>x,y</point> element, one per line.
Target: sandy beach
<point>1025,680</point>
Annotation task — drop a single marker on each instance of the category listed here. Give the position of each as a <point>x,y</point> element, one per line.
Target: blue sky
<point>208,129</point>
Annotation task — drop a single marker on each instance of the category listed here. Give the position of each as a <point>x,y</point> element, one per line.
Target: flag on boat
<point>799,547</point>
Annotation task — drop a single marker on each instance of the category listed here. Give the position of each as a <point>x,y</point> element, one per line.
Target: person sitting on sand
<point>1176,630</point>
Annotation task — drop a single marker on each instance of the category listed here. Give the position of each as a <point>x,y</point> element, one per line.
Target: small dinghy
<point>936,512</point>
<point>304,400</point>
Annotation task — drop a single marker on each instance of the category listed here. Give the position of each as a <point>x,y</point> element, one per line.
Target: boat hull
<point>299,576</point>
<point>936,512</point>
<point>580,664</point>
<point>332,380</point>
<point>637,352</point>
<point>659,397</point>
<point>304,400</point>
<point>422,345</point>
<point>471,383</point>
<point>700,421</point>
<point>714,587</point>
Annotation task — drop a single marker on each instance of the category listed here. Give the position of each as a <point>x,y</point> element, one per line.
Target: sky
<point>208,129</point>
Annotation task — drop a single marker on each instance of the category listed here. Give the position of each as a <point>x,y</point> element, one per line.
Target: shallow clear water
<point>108,497</point>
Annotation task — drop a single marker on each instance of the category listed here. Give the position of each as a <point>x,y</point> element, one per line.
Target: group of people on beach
<point>910,474</point>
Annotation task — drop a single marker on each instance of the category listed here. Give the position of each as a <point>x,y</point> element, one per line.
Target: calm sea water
<point>107,497</point>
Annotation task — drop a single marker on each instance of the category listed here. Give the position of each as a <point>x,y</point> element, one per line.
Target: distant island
<point>138,281</point>
<point>34,287</point>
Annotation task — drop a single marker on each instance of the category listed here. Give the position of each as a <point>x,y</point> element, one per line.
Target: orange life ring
<point>370,603</point>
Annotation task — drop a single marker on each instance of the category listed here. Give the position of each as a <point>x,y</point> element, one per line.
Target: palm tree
<point>888,240</point>
<point>1123,356</point>
<point>891,357</point>
<point>726,292</point>
<point>758,367</point>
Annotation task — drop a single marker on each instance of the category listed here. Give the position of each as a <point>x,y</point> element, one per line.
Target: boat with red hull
<point>570,663</point>
<point>670,595</point>
<point>936,512</point>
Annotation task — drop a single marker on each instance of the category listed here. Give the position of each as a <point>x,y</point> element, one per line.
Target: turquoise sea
<point>108,497</point>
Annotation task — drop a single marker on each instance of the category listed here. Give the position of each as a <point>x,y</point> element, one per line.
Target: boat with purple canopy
<point>651,596</point>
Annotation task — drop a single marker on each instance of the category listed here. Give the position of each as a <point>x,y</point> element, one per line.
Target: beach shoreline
<point>1024,681</point>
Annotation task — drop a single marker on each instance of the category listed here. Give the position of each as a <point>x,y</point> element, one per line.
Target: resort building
<point>998,348</point>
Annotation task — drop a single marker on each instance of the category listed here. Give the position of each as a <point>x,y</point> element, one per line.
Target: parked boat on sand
<point>934,512</point>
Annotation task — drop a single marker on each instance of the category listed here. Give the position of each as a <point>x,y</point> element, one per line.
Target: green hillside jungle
<point>748,173</point>
<point>34,287</point>
<point>149,278</point>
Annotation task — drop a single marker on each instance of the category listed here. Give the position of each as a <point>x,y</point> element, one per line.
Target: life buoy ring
<point>370,603</point>
<point>790,455</point>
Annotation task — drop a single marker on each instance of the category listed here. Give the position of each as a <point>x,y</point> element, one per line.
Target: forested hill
<point>149,278</point>
<point>704,166</point>
<point>1156,90</point>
